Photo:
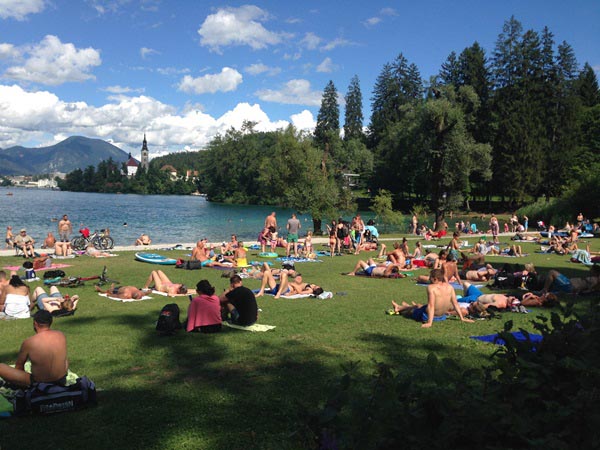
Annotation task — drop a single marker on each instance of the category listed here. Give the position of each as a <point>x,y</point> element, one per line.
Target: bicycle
<point>99,240</point>
<point>79,281</point>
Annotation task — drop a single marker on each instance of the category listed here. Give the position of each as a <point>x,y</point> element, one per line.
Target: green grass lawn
<point>235,389</point>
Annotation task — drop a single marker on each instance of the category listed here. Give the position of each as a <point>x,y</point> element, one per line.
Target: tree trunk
<point>317,227</point>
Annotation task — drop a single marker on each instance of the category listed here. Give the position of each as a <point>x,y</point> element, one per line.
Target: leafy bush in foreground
<point>530,396</point>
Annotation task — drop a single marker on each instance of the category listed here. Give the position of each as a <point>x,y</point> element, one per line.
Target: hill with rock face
<point>76,152</point>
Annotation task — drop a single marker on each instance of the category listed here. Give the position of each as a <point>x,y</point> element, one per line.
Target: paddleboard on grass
<point>268,255</point>
<point>154,258</point>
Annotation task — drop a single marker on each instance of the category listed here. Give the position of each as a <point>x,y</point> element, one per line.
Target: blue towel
<point>518,335</point>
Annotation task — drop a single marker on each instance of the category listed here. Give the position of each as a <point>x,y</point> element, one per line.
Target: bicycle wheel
<point>78,243</point>
<point>107,242</point>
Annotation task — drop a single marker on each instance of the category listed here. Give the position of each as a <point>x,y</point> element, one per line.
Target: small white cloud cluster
<point>226,81</point>
<point>20,9</point>
<point>51,62</point>
<point>237,26</point>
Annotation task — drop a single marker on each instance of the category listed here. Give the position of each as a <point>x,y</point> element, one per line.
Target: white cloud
<point>294,57</point>
<point>144,51</point>
<point>257,69</point>
<point>122,90</point>
<point>8,51</point>
<point>41,116</point>
<point>326,66</point>
<point>337,42</point>
<point>226,81</point>
<point>388,12</point>
<point>52,63</point>
<point>372,21</point>
<point>294,92</point>
<point>19,9</point>
<point>304,120</point>
<point>237,26</point>
<point>311,41</point>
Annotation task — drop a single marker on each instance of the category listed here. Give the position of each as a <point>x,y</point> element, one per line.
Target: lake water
<point>167,219</point>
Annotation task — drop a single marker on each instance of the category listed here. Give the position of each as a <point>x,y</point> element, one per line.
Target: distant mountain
<point>76,152</point>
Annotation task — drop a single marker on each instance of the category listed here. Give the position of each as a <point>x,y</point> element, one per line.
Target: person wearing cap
<point>25,243</point>
<point>47,351</point>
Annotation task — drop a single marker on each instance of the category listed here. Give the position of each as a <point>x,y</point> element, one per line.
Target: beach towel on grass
<point>164,294</point>
<point>53,266</point>
<point>324,295</point>
<point>518,335</point>
<point>125,300</point>
<point>257,327</point>
<point>296,259</point>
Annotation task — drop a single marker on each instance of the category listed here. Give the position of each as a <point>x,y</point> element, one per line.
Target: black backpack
<point>54,274</point>
<point>168,320</point>
<point>506,280</point>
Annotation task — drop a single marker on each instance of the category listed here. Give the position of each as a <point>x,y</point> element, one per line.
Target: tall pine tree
<point>353,117</point>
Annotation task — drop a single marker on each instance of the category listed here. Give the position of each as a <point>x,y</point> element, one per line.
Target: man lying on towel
<point>440,298</point>
<point>47,351</point>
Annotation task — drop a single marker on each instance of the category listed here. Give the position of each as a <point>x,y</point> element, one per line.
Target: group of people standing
<point>26,244</point>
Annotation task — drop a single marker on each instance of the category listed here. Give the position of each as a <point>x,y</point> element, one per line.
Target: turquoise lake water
<point>167,219</point>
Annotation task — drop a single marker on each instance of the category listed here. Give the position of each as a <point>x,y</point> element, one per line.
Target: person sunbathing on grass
<point>377,270</point>
<point>95,253</point>
<point>485,273</point>
<point>122,292</point>
<point>162,284</point>
<point>55,301</point>
<point>440,298</point>
<point>448,265</point>
<point>557,282</point>
<point>286,287</point>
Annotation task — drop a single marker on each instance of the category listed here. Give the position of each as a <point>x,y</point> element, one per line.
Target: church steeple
<point>144,161</point>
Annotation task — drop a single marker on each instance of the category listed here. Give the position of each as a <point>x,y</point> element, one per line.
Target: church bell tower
<point>144,161</point>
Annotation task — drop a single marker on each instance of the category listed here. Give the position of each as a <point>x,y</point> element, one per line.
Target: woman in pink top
<point>204,312</point>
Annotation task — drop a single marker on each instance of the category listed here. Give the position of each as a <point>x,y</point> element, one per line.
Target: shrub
<point>531,396</point>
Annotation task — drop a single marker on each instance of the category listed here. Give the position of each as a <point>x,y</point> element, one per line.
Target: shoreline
<point>316,240</point>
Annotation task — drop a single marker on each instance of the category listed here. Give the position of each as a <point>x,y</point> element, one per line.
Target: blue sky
<point>182,71</point>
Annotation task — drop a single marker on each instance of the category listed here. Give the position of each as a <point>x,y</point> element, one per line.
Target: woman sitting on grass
<point>204,312</point>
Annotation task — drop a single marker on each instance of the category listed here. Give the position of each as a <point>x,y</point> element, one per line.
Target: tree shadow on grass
<point>229,390</point>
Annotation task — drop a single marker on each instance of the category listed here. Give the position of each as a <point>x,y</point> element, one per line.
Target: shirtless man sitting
<point>122,292</point>
<point>47,351</point>
<point>163,284</point>
<point>375,270</point>
<point>144,239</point>
<point>440,298</point>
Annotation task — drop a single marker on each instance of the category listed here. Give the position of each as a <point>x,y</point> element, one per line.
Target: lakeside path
<point>316,240</point>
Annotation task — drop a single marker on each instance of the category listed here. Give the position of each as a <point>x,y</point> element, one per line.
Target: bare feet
<point>351,274</point>
<point>260,293</point>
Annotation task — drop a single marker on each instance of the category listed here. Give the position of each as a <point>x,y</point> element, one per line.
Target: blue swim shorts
<point>420,315</point>
<point>471,295</point>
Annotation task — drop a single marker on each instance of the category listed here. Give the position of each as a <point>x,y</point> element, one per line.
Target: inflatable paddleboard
<point>154,258</point>
<point>268,255</point>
